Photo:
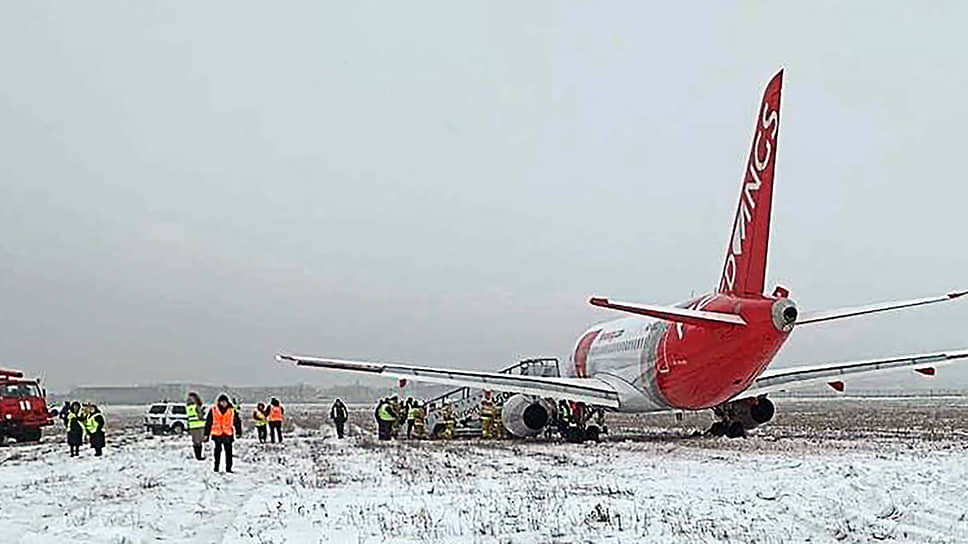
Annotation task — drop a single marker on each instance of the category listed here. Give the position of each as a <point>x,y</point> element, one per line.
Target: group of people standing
<point>269,418</point>
<point>222,424</point>
<point>391,416</point>
<point>80,421</point>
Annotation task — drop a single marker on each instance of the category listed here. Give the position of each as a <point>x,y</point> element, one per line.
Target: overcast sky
<point>189,187</point>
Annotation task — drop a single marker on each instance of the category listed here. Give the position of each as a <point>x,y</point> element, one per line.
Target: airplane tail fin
<point>744,272</point>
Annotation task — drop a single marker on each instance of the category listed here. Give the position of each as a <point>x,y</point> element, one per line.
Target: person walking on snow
<point>276,415</point>
<point>94,424</point>
<point>339,414</point>
<point>222,424</point>
<point>75,428</point>
<point>196,423</point>
<point>260,417</point>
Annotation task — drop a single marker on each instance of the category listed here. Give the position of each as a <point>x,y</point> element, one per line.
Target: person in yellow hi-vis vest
<point>196,423</point>
<point>94,425</point>
<point>261,418</point>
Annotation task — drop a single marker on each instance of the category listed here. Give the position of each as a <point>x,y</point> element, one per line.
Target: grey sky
<point>189,187</point>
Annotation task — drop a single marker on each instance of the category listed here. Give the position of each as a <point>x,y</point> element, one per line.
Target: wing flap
<point>783,379</point>
<point>587,390</point>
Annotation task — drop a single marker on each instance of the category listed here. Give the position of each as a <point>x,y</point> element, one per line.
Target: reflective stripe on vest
<point>384,412</point>
<point>260,418</point>
<point>91,424</point>
<point>275,413</point>
<point>194,419</point>
<point>223,423</point>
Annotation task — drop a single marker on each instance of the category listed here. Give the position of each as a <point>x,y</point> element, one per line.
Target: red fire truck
<point>23,407</point>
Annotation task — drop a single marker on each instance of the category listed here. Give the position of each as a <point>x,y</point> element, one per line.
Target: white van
<point>166,417</point>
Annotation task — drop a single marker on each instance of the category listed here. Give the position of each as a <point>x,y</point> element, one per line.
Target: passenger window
<point>178,410</point>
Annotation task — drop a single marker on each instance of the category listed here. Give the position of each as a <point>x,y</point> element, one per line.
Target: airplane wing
<point>587,390</point>
<point>834,374</point>
<point>828,315</point>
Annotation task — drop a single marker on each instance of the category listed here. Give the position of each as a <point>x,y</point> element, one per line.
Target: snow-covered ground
<point>315,488</point>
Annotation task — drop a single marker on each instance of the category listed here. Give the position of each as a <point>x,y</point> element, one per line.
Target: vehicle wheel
<point>593,433</point>
<point>30,435</point>
<point>735,430</point>
<point>177,428</point>
<point>718,429</point>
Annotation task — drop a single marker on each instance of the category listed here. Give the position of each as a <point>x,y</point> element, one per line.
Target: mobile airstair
<point>465,402</point>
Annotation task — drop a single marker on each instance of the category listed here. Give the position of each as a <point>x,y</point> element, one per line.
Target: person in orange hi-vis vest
<point>276,415</point>
<point>222,424</point>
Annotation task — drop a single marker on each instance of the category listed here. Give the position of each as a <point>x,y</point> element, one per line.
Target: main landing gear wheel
<point>728,429</point>
<point>718,429</point>
<point>735,430</point>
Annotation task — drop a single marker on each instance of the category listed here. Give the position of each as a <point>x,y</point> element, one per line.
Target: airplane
<point>710,352</point>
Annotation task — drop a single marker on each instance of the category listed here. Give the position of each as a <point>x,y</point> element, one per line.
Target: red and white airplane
<point>711,352</point>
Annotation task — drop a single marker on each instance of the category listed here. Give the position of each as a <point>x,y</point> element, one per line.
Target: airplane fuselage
<point>687,367</point>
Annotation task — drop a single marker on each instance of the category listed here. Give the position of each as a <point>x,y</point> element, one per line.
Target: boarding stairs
<point>465,402</point>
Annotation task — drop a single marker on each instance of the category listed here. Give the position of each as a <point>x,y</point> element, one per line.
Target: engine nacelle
<point>751,412</point>
<point>524,415</point>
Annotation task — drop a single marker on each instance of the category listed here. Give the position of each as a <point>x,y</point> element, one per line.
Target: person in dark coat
<point>339,414</point>
<point>75,428</point>
<point>222,424</point>
<point>95,429</point>
<point>63,412</point>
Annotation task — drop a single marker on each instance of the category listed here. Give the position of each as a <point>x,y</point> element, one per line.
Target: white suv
<point>166,417</point>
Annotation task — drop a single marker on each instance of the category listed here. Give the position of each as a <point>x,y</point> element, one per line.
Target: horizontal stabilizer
<point>699,318</point>
<point>588,390</point>
<point>830,315</point>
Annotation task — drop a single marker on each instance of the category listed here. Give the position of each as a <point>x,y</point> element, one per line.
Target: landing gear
<point>735,430</point>
<point>718,429</point>
<point>729,429</point>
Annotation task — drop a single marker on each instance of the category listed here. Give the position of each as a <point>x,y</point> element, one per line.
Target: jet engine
<point>750,412</point>
<point>524,415</point>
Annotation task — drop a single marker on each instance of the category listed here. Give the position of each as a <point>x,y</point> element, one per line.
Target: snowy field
<point>827,471</point>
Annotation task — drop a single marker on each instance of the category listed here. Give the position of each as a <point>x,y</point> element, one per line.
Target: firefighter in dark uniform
<point>487,416</point>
